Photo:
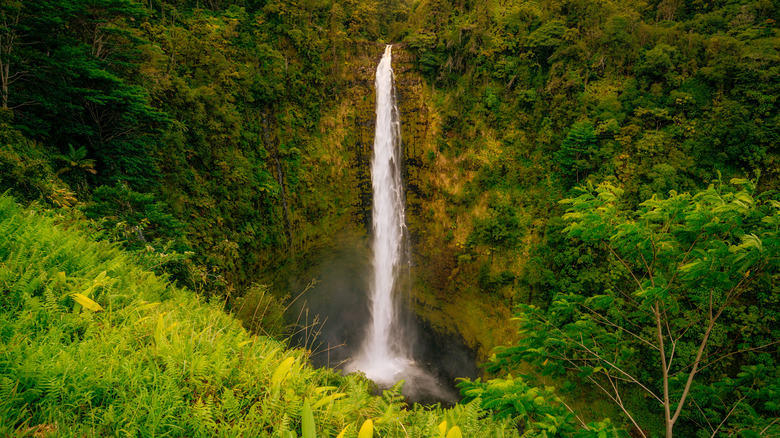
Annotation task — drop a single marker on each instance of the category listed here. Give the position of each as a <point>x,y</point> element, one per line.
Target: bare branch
<point>727,416</point>
<point>694,369</point>
<point>702,414</point>
<point>620,405</point>
<point>664,371</point>
<point>611,364</point>
<point>672,340</point>
<point>606,321</point>
<point>770,425</point>
<point>744,350</point>
<point>628,268</point>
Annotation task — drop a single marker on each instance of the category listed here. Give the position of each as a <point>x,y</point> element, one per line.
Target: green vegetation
<point>92,344</point>
<point>538,99</point>
<point>221,143</point>
<point>683,316</point>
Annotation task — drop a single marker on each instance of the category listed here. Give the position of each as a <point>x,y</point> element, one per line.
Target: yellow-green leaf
<point>159,329</point>
<point>88,291</point>
<point>454,432</point>
<point>142,319</point>
<point>343,432</point>
<point>307,421</point>
<point>328,399</point>
<point>744,197</point>
<point>146,306</point>
<point>281,371</point>
<point>101,278</point>
<point>443,428</point>
<point>321,389</point>
<point>86,302</point>
<point>367,429</point>
<point>267,359</point>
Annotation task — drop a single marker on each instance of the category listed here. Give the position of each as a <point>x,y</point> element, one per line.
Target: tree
<point>138,217</point>
<point>10,13</point>
<point>76,162</point>
<point>76,159</point>
<point>80,62</point>
<point>578,152</point>
<point>689,304</point>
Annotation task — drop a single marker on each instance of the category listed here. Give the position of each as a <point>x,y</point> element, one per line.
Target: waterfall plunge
<point>384,356</point>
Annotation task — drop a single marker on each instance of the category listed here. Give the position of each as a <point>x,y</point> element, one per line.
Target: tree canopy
<point>685,315</point>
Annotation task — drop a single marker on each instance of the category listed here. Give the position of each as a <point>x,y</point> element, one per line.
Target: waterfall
<point>383,356</point>
<point>383,344</point>
<point>390,347</point>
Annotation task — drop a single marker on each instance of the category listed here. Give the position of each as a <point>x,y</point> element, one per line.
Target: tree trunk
<point>4,78</point>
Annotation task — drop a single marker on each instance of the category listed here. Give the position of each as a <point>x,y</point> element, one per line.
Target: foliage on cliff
<point>185,124</point>
<point>536,97</point>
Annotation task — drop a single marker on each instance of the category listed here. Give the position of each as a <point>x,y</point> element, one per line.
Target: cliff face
<point>441,295</point>
<point>333,213</point>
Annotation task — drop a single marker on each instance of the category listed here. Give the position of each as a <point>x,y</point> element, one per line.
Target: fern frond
<point>230,407</point>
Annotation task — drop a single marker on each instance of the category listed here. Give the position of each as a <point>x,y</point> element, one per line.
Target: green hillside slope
<point>91,344</point>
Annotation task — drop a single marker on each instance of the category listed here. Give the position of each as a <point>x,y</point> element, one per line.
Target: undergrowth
<point>91,344</point>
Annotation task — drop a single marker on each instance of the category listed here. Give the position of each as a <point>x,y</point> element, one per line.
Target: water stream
<point>385,355</point>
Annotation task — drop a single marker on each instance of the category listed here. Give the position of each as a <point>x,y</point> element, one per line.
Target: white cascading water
<point>383,357</point>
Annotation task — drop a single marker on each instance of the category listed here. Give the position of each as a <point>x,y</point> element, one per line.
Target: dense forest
<point>592,196</point>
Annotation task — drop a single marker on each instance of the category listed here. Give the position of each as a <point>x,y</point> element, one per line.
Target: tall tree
<point>671,322</point>
<point>11,35</point>
<point>83,85</point>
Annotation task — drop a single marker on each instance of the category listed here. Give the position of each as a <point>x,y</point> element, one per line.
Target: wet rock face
<point>433,258</point>
<point>415,128</point>
<point>353,122</point>
<point>360,139</point>
<point>331,218</point>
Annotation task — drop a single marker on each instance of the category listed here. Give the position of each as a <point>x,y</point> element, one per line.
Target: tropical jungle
<point>591,194</point>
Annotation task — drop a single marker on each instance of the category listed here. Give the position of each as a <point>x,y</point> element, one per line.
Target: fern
<point>22,287</point>
<point>158,361</point>
<point>230,408</point>
<point>51,387</point>
<point>51,302</point>
<point>12,409</point>
<point>283,428</point>
<point>7,388</point>
<point>202,420</point>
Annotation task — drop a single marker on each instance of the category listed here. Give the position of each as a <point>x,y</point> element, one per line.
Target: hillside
<point>224,145</point>
<point>93,344</point>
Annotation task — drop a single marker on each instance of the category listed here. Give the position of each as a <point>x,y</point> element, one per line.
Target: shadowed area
<point>331,317</point>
